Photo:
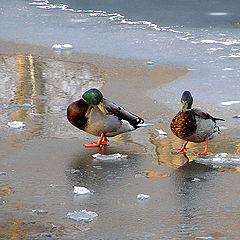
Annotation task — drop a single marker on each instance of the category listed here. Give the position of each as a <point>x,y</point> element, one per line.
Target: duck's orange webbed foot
<point>182,150</point>
<point>102,141</point>
<point>205,152</point>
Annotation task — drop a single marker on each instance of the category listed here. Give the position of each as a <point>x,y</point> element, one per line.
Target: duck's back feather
<point>121,113</point>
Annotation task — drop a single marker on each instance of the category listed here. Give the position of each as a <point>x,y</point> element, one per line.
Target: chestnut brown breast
<point>76,114</point>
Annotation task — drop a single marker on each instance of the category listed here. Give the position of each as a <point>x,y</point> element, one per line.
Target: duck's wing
<point>121,113</point>
<point>204,115</point>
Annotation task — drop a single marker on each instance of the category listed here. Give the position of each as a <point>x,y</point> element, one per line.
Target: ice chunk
<point>110,157</point>
<point>56,46</point>
<point>80,190</point>
<point>142,196</point>
<point>39,211</point>
<point>149,63</point>
<point>82,216</point>
<point>196,180</point>
<point>16,124</point>
<point>67,46</point>
<point>62,46</point>
<point>161,133</point>
<point>228,103</point>
<point>220,160</point>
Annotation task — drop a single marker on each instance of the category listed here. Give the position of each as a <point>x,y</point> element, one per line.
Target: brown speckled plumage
<point>183,125</point>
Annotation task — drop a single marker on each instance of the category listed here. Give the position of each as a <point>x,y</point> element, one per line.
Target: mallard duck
<point>194,125</point>
<point>100,117</point>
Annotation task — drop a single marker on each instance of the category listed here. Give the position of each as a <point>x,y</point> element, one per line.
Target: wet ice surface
<point>189,200</point>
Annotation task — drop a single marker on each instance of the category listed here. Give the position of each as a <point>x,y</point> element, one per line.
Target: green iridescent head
<point>94,97</point>
<point>187,101</point>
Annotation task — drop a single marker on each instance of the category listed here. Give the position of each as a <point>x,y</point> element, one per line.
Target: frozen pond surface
<point>190,197</point>
<point>41,163</point>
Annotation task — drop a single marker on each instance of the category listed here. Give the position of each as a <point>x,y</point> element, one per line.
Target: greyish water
<point>189,198</point>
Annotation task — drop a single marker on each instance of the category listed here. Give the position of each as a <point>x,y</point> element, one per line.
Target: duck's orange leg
<point>205,152</point>
<point>180,150</point>
<point>102,141</point>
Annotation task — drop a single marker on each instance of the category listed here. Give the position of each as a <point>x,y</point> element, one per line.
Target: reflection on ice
<point>110,157</point>
<point>82,216</point>
<point>220,160</point>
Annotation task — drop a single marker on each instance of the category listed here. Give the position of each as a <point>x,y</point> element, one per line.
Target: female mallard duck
<point>193,125</point>
<point>100,117</point>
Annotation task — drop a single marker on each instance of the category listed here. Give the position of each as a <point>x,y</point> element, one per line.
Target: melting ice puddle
<point>110,157</point>
<point>220,160</point>
<point>82,216</point>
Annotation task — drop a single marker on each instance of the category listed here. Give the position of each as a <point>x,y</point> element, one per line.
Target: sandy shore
<point>38,84</point>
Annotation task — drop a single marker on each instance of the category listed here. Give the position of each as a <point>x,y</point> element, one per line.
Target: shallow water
<point>42,162</point>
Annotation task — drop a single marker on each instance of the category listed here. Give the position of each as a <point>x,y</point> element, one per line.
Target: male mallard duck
<point>193,125</point>
<point>100,117</point>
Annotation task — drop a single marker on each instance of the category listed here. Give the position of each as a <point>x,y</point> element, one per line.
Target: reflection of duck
<point>100,117</point>
<point>193,125</point>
